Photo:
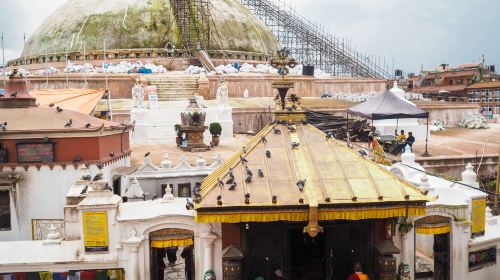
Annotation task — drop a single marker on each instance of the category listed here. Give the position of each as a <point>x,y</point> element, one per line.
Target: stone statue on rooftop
<point>222,94</point>
<point>137,94</point>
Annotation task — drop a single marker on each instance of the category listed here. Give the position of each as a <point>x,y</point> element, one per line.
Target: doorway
<point>333,253</point>
<point>442,256</point>
<point>307,256</point>
<point>432,248</point>
<point>171,254</point>
<point>347,244</point>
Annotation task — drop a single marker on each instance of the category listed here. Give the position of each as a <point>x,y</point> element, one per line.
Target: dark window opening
<point>5,210</point>
<point>117,186</point>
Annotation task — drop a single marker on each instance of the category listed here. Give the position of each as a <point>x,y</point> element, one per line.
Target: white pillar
<point>407,247</point>
<point>133,266</point>
<point>459,255</point>
<point>208,239</point>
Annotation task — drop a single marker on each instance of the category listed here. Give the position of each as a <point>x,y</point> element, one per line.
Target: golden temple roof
<point>337,180</point>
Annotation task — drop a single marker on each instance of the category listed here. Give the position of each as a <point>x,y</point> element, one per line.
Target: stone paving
<point>175,272</point>
<point>424,264</point>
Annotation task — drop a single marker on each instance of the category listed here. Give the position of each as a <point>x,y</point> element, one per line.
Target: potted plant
<point>215,129</point>
<point>178,131</point>
<point>405,226</point>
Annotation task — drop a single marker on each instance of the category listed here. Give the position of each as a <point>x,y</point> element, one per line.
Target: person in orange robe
<point>358,273</point>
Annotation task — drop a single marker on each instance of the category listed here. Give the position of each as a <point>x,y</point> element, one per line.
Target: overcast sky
<point>415,33</point>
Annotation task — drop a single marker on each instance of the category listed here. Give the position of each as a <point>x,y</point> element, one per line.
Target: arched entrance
<point>432,248</point>
<point>172,254</point>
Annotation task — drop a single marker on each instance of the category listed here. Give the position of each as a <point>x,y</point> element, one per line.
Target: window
<point>5,210</point>
<point>482,258</point>
<point>184,190</point>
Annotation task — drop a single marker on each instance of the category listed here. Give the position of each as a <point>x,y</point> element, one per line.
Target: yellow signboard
<point>478,216</point>
<point>95,231</point>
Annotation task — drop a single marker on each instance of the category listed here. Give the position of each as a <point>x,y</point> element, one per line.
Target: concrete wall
<point>450,114</point>
<point>120,85</point>
<point>455,165</point>
<point>260,85</point>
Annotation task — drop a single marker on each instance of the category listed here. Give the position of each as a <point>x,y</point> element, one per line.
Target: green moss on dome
<point>130,24</point>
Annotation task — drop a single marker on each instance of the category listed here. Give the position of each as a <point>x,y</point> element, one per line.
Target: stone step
<point>173,98</point>
<point>161,80</point>
<point>172,94</point>
<point>176,89</point>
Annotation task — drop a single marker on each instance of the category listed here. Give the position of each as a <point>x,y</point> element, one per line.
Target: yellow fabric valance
<point>295,216</point>
<point>375,213</point>
<point>180,242</point>
<point>246,217</point>
<point>434,230</point>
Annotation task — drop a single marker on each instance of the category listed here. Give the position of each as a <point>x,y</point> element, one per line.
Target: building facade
<point>450,83</point>
<point>40,149</point>
<point>487,95</point>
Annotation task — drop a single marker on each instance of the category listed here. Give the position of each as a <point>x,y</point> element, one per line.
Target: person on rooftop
<point>373,132</point>
<point>408,141</point>
<point>401,137</point>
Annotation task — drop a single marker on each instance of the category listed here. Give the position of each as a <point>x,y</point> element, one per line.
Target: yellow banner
<point>95,231</point>
<point>478,216</point>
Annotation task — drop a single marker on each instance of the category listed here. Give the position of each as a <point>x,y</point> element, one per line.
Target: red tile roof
<point>495,84</point>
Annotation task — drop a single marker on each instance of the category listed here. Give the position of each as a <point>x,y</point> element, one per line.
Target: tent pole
<point>347,126</point>
<point>426,152</point>
<point>397,126</point>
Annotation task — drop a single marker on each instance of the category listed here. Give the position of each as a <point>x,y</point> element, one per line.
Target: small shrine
<point>192,127</point>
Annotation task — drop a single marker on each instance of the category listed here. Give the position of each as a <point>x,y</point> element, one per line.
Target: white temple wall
<point>41,194</point>
<point>424,244</point>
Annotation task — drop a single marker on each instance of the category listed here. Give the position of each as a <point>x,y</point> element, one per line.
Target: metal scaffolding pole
<point>3,64</point>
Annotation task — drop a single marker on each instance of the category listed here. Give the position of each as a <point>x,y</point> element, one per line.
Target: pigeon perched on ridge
<point>108,187</point>
<point>84,190</point>
<point>260,172</point>
<point>301,184</point>
<point>189,204</point>
<point>232,186</point>
<point>69,123</point>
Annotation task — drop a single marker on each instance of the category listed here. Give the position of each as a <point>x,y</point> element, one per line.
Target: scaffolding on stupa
<point>310,44</point>
<point>193,19</point>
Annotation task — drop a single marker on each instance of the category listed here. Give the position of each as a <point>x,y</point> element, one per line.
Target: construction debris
<point>336,126</point>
